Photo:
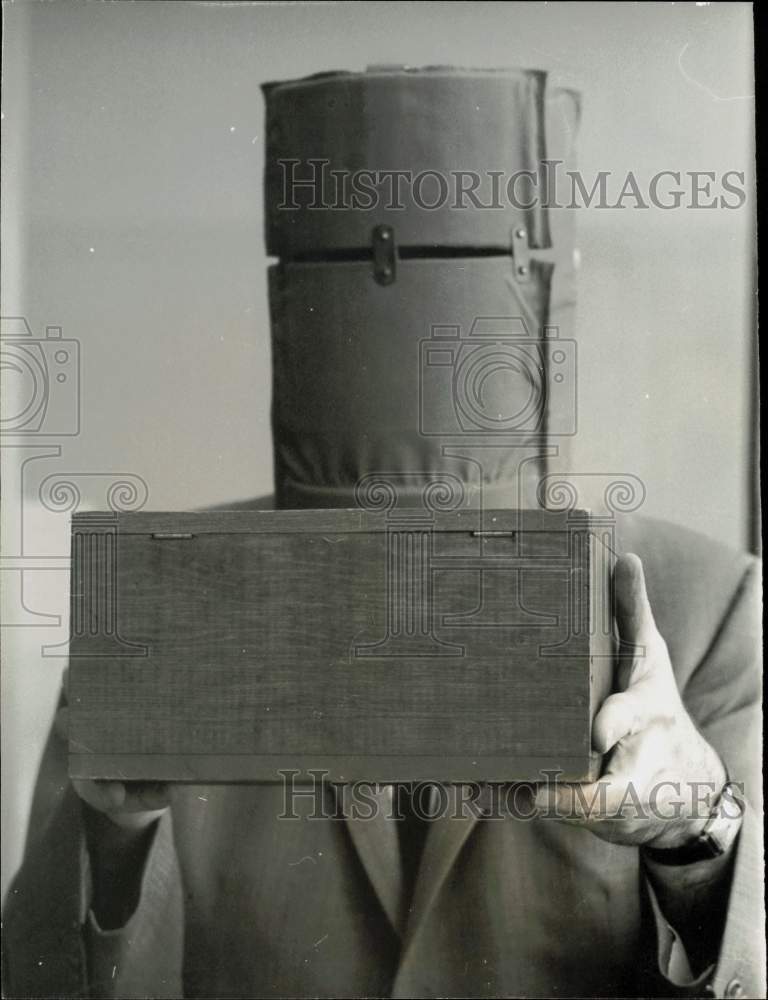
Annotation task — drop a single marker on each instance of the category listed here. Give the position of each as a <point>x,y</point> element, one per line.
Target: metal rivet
<point>522,269</point>
<point>383,252</point>
<point>520,234</point>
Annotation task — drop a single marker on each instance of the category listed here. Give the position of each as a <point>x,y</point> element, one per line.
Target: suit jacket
<point>236,903</point>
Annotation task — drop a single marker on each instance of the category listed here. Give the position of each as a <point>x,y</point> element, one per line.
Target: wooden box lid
<point>384,644</point>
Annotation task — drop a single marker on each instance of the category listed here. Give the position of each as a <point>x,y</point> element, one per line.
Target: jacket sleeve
<point>723,696</point>
<point>52,945</point>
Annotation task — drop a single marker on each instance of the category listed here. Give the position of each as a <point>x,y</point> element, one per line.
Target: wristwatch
<point>717,837</point>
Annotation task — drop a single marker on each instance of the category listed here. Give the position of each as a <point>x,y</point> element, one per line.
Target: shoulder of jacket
<point>692,580</point>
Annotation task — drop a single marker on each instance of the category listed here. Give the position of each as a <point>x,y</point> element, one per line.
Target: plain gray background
<point>132,218</point>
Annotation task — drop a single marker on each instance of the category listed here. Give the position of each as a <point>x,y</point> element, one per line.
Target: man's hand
<point>117,829</point>
<point>661,776</point>
<point>133,805</point>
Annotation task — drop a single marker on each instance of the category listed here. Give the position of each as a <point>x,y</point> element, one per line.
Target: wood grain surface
<point>228,646</point>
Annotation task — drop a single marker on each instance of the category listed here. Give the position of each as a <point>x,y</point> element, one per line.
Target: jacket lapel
<point>447,835</point>
<point>377,845</point>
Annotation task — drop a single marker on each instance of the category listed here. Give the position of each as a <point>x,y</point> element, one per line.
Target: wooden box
<point>385,645</point>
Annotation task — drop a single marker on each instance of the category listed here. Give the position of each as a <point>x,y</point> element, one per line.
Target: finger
<point>146,797</point>
<point>104,796</point>
<point>622,715</point>
<point>590,802</point>
<point>634,616</point>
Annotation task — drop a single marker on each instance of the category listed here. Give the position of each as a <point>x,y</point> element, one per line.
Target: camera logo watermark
<point>41,381</point>
<point>41,404</point>
<point>500,378</point>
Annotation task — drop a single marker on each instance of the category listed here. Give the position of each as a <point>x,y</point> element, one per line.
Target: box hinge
<point>173,536</point>
<point>494,534</point>
<point>384,254</point>
<point>521,254</point>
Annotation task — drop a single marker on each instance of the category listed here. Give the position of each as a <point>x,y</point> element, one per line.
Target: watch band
<point>715,839</point>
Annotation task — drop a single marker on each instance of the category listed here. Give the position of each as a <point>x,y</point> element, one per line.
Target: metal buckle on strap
<point>521,256</point>
<point>384,254</point>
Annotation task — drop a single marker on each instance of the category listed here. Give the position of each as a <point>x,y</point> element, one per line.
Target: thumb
<point>622,714</point>
<point>634,616</point>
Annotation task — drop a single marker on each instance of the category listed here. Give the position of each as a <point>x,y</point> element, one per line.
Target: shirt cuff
<point>674,964</point>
